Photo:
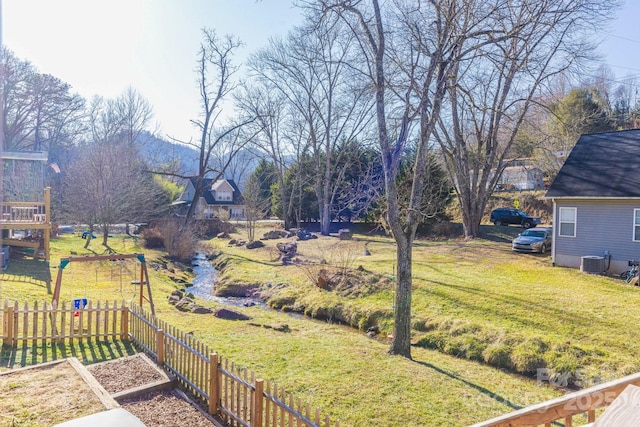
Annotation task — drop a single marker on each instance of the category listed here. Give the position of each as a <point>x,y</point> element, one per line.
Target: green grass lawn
<point>472,299</point>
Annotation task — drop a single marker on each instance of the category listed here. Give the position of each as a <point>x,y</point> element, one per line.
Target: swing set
<point>144,276</point>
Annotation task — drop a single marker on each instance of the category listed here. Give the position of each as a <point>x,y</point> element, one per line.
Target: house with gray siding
<point>596,203</point>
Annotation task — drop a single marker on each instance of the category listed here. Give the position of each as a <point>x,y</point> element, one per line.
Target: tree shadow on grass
<point>498,398</point>
<point>88,352</point>
<point>33,271</point>
<point>502,234</point>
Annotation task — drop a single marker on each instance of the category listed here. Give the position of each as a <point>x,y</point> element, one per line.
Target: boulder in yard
<point>185,304</point>
<point>198,309</point>
<point>288,249</point>
<point>255,244</point>
<point>225,313</point>
<point>344,234</point>
<point>275,234</point>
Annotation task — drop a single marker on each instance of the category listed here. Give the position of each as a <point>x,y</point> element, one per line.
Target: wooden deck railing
<point>565,410</point>
<point>24,213</point>
<point>235,394</point>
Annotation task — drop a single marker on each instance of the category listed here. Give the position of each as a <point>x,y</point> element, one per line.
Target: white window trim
<point>635,238</point>
<point>575,222</point>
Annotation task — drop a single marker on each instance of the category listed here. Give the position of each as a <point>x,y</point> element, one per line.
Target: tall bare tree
<point>273,138</point>
<point>310,70</point>
<point>493,88</point>
<point>407,52</point>
<point>486,58</point>
<point>218,140</point>
<point>41,112</point>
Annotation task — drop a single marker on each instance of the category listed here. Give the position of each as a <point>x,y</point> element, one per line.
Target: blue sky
<point>103,46</point>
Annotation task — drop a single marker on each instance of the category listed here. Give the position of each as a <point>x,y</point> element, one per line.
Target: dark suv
<point>506,216</point>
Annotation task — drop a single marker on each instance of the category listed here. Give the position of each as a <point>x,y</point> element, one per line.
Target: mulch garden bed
<point>155,409</point>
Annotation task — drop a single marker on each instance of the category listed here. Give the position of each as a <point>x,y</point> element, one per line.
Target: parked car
<point>506,216</point>
<point>538,240</point>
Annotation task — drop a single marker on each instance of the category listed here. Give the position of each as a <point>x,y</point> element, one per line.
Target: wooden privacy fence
<point>46,322</point>
<point>230,391</point>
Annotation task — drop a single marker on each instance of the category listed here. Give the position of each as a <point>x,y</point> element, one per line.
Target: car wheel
<point>498,222</point>
<point>543,248</point>
<point>527,224</point>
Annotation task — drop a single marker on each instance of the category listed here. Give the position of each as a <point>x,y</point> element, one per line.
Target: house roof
<point>602,165</point>
<point>208,195</point>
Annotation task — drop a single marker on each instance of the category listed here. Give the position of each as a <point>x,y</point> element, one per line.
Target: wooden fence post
<point>256,416</point>
<point>160,346</point>
<point>214,384</point>
<point>124,323</point>
<point>8,315</point>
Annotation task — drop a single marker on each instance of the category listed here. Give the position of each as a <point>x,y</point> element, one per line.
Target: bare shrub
<point>180,241</point>
<point>153,238</point>
<point>333,269</point>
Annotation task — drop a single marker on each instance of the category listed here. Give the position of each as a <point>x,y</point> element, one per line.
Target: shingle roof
<point>602,165</point>
<point>207,194</point>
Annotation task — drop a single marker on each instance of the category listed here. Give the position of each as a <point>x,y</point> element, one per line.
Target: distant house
<point>521,175</point>
<point>222,195</point>
<point>596,203</point>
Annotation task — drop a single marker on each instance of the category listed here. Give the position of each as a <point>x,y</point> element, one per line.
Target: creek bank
<point>509,351</point>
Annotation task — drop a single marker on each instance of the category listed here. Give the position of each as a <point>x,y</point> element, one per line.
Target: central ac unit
<point>592,264</point>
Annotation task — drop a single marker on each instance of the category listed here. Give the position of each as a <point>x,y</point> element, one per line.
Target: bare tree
<point>134,114</point>
<point>40,110</point>
<point>478,55</point>
<point>407,55</point>
<point>106,185</point>
<point>310,70</point>
<point>215,77</point>
<point>274,137</point>
<point>492,89</point>
<point>255,205</point>
<point>123,118</point>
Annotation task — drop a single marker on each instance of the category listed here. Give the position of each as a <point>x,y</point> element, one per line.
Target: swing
<point>79,303</point>
<point>142,282</point>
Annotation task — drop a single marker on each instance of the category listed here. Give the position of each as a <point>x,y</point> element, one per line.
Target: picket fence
<point>231,392</point>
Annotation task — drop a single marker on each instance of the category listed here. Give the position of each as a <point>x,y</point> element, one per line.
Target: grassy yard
<point>476,300</point>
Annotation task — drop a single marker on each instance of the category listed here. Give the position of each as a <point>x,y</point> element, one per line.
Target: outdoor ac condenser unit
<point>592,264</point>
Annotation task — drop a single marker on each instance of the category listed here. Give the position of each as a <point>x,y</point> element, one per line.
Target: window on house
<point>636,225</point>
<point>567,222</point>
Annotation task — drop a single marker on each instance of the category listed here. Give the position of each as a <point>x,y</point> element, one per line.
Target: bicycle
<point>631,273</point>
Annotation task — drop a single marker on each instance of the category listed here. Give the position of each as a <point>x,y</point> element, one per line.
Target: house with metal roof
<point>596,203</point>
<point>222,195</point>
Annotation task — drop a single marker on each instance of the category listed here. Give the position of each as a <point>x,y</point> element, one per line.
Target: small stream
<point>204,284</point>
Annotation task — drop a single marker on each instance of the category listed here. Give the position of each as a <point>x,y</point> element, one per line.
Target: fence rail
<point>233,393</point>
<point>46,322</point>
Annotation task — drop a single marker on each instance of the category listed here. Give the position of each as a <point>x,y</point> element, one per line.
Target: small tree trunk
<point>401,342</point>
<point>89,237</point>
<point>325,220</point>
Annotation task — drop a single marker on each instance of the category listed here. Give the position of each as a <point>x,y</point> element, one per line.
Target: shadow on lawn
<point>485,391</point>
<point>503,234</point>
<point>25,270</point>
<point>87,352</point>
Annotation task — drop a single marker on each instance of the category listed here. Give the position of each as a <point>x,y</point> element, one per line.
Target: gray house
<point>596,203</point>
